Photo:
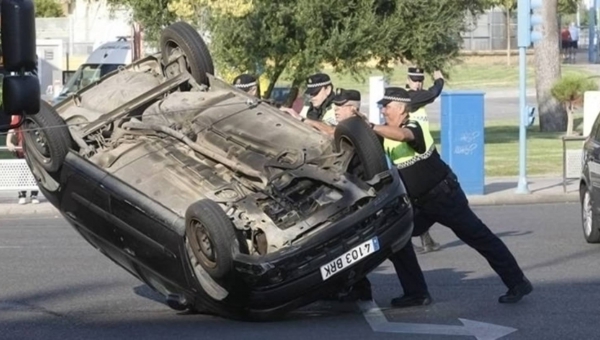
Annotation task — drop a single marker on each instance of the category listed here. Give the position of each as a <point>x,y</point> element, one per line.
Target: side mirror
<point>20,86</point>
<point>21,94</point>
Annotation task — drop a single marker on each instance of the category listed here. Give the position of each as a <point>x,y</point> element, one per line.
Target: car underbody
<point>212,197</point>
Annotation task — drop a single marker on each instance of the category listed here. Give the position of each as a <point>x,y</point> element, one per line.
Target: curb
<point>42,209</point>
<point>516,199</point>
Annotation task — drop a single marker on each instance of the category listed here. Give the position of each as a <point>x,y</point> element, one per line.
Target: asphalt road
<point>495,108</point>
<point>55,286</point>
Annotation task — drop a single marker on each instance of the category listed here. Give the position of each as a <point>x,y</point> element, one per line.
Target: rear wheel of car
<point>590,227</point>
<point>46,138</point>
<point>212,237</point>
<point>369,159</point>
<point>183,38</point>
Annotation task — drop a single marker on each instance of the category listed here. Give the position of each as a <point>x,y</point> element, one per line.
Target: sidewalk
<point>498,191</point>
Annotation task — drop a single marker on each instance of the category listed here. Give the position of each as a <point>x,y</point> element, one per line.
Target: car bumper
<point>295,272</point>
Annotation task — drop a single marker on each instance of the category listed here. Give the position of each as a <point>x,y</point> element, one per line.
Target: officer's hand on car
<point>10,146</point>
<point>291,112</point>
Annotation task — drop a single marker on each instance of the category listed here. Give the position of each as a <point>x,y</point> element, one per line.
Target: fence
<point>488,33</point>
<point>15,175</point>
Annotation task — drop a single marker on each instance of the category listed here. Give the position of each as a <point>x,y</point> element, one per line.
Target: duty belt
<point>445,186</point>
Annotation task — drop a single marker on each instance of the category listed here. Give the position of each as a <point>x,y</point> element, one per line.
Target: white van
<point>106,58</point>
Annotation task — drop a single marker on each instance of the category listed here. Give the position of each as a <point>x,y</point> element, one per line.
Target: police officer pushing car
<point>320,90</point>
<point>247,83</point>
<point>419,99</point>
<point>346,104</point>
<point>436,196</point>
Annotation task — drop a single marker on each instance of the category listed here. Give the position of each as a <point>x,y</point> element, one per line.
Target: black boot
<point>412,300</point>
<point>516,293</point>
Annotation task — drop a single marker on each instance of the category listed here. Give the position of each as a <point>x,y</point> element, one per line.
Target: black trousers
<point>447,205</point>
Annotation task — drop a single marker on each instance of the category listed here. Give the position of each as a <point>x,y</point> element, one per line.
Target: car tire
<point>46,138</point>
<point>184,36</point>
<point>212,237</point>
<point>591,232</point>
<point>367,146</point>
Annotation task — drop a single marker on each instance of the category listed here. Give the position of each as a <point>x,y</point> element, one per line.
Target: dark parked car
<point>590,185</point>
<point>218,201</point>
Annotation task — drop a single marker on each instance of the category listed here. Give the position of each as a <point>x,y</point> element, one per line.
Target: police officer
<point>436,196</point>
<point>320,90</point>
<point>247,83</point>
<point>346,104</point>
<point>419,99</point>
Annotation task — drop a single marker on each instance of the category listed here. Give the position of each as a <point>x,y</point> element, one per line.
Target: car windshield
<point>87,74</point>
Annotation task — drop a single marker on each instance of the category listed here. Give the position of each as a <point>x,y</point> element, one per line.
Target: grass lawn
<point>483,72</point>
<point>544,150</point>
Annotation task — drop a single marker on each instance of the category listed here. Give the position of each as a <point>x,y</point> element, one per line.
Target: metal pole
<point>591,34</point>
<point>522,187</point>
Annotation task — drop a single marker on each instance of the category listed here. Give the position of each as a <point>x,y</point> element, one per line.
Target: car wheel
<point>181,37</point>
<point>590,227</point>
<point>46,138</point>
<point>369,159</point>
<point>212,237</point>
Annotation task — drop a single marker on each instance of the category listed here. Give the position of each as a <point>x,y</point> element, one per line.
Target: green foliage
<point>571,88</point>
<point>568,6</point>
<point>48,9</point>
<point>151,14</point>
<point>298,36</point>
<point>504,4</point>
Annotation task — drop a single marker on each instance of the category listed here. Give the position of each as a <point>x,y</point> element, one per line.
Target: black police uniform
<point>438,197</point>
<point>421,98</point>
<point>314,84</point>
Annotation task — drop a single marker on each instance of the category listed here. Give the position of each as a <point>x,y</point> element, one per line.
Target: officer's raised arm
<point>419,96</point>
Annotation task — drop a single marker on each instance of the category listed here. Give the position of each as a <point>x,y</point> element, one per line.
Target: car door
<point>592,162</point>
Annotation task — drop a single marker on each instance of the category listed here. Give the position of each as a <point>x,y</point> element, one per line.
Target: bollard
<point>462,138</point>
<point>591,107</point>
<point>377,85</point>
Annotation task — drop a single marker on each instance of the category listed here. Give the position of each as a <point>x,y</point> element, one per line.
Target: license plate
<point>349,258</point>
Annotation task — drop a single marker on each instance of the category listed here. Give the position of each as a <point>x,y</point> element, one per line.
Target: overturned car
<point>218,201</point>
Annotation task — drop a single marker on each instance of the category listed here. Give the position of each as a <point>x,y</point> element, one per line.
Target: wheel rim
<point>172,47</point>
<point>587,214</point>
<point>36,141</point>
<point>203,246</point>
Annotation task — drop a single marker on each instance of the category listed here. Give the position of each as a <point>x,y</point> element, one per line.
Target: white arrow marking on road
<point>480,330</point>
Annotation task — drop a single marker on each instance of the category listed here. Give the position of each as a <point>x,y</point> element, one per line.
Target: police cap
<point>416,74</point>
<point>394,94</point>
<point>244,81</point>
<point>342,96</point>
<point>316,82</point>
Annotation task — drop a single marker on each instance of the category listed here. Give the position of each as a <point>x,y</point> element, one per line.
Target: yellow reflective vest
<point>402,154</point>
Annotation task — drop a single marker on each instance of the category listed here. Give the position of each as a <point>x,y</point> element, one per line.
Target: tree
<point>293,38</point>
<point>553,116</point>
<point>48,9</point>
<point>568,6</point>
<point>152,15</point>
<point>508,6</point>
<point>569,91</point>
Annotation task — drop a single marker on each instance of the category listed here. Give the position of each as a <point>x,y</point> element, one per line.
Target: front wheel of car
<point>212,237</point>
<point>369,157</point>
<point>590,226</point>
